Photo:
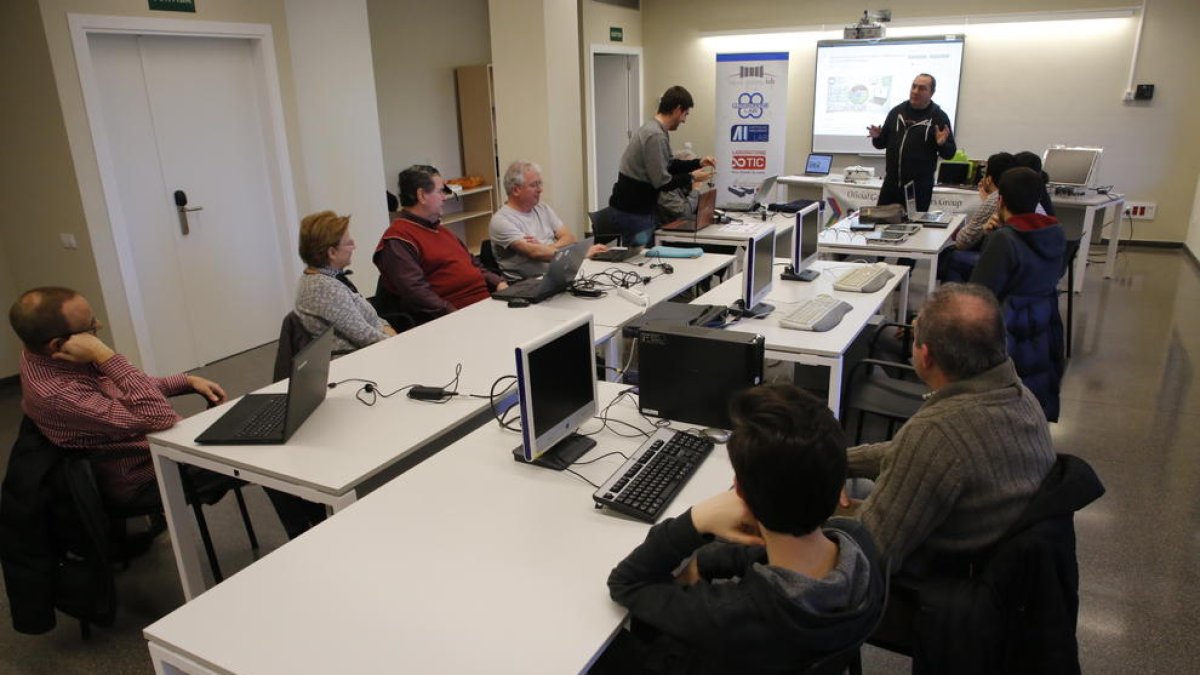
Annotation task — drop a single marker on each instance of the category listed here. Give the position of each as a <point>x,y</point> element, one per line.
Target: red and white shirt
<point>107,409</point>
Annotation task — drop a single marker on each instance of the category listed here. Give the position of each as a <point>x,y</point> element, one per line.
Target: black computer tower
<point>688,374</point>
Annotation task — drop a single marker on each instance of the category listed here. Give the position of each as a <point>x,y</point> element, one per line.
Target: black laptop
<point>558,276</point>
<point>261,419</point>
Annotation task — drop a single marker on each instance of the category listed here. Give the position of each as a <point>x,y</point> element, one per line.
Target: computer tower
<point>689,374</point>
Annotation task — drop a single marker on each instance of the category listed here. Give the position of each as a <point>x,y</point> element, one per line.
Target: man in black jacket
<point>915,133</point>
<point>790,587</point>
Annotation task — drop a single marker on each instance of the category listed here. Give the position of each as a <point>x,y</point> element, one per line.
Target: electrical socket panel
<point>1141,210</point>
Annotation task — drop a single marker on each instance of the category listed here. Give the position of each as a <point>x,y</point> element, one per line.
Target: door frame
<point>594,196</point>
<point>123,281</point>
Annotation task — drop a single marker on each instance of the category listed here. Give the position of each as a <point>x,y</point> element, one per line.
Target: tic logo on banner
<point>749,161</point>
<point>750,133</point>
<point>750,105</point>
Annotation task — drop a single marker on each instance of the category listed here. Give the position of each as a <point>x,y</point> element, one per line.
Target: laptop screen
<point>910,198</point>
<point>309,381</point>
<point>818,165</point>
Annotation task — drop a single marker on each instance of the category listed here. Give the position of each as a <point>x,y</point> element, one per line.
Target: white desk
<point>468,563</point>
<point>926,244</point>
<point>826,349</point>
<point>1113,206</point>
<point>345,448</point>
<point>733,234</point>
<point>856,195</point>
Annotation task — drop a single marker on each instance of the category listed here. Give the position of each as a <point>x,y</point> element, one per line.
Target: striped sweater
<point>958,473</point>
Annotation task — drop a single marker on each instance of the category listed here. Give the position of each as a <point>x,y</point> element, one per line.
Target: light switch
<point>68,241</point>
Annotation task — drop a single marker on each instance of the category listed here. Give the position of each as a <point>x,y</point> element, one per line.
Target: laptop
<point>701,219</point>
<point>558,276</point>
<point>617,253</point>
<point>263,419</point>
<point>926,218</point>
<point>763,192</point>
<point>818,165</point>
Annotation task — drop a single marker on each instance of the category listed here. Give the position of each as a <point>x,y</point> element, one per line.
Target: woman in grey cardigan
<point>325,296</point>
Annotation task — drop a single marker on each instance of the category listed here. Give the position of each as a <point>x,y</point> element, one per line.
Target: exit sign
<point>173,5</point>
<point>616,33</point>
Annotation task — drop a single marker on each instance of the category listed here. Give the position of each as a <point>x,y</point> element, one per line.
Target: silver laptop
<point>927,218</point>
<point>763,192</point>
<point>558,276</point>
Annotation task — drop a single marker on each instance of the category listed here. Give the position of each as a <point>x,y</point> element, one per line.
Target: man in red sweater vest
<point>425,270</point>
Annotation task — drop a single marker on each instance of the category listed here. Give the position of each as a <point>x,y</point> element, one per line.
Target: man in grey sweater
<point>961,470</point>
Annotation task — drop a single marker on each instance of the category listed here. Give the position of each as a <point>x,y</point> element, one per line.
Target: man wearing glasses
<point>82,394</point>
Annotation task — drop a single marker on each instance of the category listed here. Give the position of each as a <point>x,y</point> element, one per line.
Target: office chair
<point>1073,246</point>
<point>487,257</point>
<point>849,659</point>
<point>602,227</point>
<point>883,387</point>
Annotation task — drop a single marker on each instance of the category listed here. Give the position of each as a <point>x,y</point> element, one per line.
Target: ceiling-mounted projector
<point>867,27</point>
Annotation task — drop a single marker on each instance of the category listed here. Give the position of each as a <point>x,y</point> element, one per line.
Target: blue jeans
<point>635,229</point>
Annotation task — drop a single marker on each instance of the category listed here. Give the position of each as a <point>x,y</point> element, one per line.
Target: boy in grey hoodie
<point>780,590</point>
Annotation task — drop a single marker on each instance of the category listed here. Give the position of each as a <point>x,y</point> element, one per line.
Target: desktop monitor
<point>756,275</point>
<point>1071,166</point>
<point>556,390</point>
<point>804,244</point>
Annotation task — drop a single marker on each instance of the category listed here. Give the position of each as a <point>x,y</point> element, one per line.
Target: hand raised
<point>942,134</point>
<point>874,131</point>
<point>727,517</point>
<point>83,348</point>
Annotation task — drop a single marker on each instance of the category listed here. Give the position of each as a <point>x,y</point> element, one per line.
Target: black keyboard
<point>647,482</point>
<point>266,421</point>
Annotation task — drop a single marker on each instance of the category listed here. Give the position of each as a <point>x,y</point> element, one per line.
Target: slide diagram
<point>858,94</point>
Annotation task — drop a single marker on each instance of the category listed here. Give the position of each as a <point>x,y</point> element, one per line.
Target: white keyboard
<point>818,314</point>
<point>866,279</point>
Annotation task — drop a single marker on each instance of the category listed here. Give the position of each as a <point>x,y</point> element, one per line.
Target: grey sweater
<point>958,473</point>
<point>322,300</point>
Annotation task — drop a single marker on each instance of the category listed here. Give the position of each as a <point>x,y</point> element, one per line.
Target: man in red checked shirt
<point>82,394</point>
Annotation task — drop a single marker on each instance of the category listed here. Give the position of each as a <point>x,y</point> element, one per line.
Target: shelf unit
<point>477,127</point>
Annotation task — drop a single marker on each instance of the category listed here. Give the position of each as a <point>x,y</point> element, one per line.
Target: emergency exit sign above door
<point>173,5</point>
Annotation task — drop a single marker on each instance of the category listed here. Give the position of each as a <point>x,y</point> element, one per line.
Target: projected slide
<point>858,82</point>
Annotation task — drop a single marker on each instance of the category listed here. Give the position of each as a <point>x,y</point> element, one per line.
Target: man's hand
<point>942,134</point>
<point>874,131</point>
<point>84,348</point>
<point>207,388</point>
<point>726,516</point>
<point>502,285</point>
<point>690,573</point>
<point>388,330</point>
<point>709,160</point>
<point>598,248</point>
<point>702,174</point>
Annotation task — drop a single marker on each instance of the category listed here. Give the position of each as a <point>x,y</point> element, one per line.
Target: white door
<point>184,113</point>
<point>615,99</point>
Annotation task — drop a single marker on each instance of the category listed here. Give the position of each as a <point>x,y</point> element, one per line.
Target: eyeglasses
<point>95,326</point>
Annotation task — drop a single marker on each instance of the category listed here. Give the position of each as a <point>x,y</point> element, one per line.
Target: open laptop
<point>702,218</point>
<point>818,165</point>
<point>926,218</point>
<point>558,276</point>
<point>763,192</point>
<point>261,419</point>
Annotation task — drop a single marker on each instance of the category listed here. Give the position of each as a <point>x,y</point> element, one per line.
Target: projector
<point>858,174</point>
<point>866,28</point>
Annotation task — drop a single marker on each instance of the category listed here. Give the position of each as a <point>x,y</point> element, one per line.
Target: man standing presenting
<point>915,134</point>
<point>526,233</point>
<point>647,169</point>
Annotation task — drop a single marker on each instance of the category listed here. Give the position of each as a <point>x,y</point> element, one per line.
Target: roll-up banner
<point>751,124</point>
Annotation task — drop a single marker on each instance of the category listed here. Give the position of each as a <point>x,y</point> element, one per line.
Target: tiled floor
<point>1130,408</point>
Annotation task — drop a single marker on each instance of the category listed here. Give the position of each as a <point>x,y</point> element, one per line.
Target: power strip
<point>636,296</point>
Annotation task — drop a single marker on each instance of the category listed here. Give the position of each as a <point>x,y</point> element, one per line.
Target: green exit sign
<point>174,5</point>
<point>616,33</point>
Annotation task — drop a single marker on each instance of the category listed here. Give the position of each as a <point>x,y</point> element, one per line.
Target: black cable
<point>497,414</point>
<point>580,477</point>
<point>597,459</point>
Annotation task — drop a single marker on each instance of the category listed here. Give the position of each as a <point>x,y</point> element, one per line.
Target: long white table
<point>468,563</point>
<point>926,244</point>
<point>866,193</point>
<point>828,348</point>
<point>1112,206</point>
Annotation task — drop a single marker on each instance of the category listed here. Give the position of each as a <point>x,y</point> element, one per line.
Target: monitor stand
<point>802,275</point>
<point>561,455</point>
<point>758,311</point>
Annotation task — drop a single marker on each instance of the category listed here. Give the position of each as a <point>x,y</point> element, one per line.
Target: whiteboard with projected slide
<point>859,81</point>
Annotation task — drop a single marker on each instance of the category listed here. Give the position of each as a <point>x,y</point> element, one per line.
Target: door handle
<point>181,206</point>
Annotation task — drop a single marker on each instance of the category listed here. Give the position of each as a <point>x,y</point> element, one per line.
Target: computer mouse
<point>715,435</point>
<point>518,302</point>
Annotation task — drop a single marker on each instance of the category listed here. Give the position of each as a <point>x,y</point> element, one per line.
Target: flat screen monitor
<point>556,389</point>
<point>756,276</point>
<point>804,244</point>
<point>1071,166</point>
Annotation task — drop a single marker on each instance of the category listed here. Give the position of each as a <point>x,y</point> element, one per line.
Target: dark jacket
<point>743,622</point>
<point>1016,611</point>
<point>53,537</point>
<point>1021,263</point>
<point>910,137</point>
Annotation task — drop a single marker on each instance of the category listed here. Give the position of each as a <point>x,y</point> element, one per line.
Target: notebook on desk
<point>558,276</point>
<point>702,218</point>
<point>262,419</point>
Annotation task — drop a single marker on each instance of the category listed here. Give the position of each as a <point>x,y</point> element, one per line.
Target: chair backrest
<point>487,257</point>
<point>602,227</point>
<point>851,656</point>
<point>292,338</point>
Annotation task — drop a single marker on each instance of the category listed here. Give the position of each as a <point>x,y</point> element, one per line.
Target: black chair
<point>882,387</point>
<point>602,226</point>
<point>1073,246</point>
<point>849,660</point>
<point>487,257</point>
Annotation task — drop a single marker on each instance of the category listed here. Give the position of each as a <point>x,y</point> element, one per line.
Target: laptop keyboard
<point>645,484</point>
<point>266,421</point>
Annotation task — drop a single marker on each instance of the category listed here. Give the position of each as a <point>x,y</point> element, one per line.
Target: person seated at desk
<point>680,203</point>
<point>1029,160</point>
<point>325,296</point>
<point>962,469</point>
<point>956,263</point>
<point>1021,264</point>
<point>526,233</point>
<point>83,395</point>
<point>788,587</point>
<point>425,271</point>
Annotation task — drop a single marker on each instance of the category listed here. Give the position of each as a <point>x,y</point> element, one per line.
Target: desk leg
<point>835,387</point>
<point>932,277</point>
<point>1085,244</point>
<point>902,304</point>
<point>194,574</point>
<point>1117,209</point>
<point>168,662</point>
<point>612,358</point>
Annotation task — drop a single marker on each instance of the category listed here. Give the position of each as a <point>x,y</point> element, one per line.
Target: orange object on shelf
<point>467,182</point>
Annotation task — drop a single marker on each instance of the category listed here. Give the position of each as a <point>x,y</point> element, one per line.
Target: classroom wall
<point>415,47</point>
<point>1193,233</point>
<point>55,188</point>
<point>1024,87</point>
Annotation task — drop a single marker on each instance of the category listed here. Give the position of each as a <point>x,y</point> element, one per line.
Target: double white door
<point>186,114</point>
